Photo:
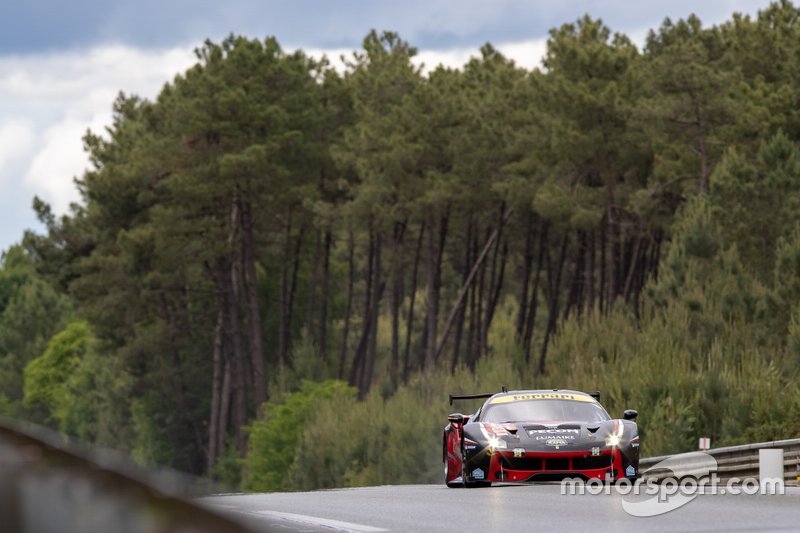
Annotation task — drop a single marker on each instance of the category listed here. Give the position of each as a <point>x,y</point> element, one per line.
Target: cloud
<point>59,159</point>
<point>68,93</point>
<point>16,141</point>
<point>44,25</point>
<point>62,95</point>
<point>67,66</point>
<point>526,54</point>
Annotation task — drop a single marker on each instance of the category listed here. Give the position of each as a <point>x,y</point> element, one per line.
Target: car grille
<point>591,463</point>
<point>555,463</point>
<point>521,463</point>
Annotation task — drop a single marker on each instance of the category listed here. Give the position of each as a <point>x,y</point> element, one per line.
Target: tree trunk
<point>613,245</point>
<point>435,252</point>
<point>639,283</point>
<point>603,284</point>
<point>216,398</point>
<point>287,328</point>
<point>313,284</point>
<point>238,378</point>
<point>225,405</point>
<point>495,294</point>
<point>283,291</point>
<point>633,267</point>
<point>527,264</point>
<point>432,316</point>
<point>493,280</point>
<point>253,307</point>
<point>657,254</point>
<point>413,296</point>
<point>474,315</point>
<point>590,274</point>
<point>357,372</point>
<point>322,335</point>
<point>230,281</point>
<point>478,263</point>
<point>554,289</point>
<point>574,296</point>
<point>397,300</point>
<point>462,307</point>
<point>349,306</point>
<point>479,309</point>
<point>377,292</point>
<point>534,303</point>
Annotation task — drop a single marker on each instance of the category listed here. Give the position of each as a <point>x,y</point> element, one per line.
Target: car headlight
<point>615,438</point>
<point>495,443</point>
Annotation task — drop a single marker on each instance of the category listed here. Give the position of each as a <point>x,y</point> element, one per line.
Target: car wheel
<point>451,480</point>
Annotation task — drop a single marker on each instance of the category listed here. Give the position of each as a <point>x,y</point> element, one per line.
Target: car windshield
<point>544,410</point>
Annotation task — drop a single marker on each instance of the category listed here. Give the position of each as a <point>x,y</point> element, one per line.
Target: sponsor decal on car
<point>595,451</point>
<point>478,474</point>
<point>556,442</point>
<point>547,437</point>
<point>519,452</point>
<point>553,431</point>
<point>630,471</point>
<point>542,396</point>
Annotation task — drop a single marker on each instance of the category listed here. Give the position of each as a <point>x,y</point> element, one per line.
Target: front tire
<point>451,479</point>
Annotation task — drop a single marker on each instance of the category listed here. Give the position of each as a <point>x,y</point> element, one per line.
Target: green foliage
<point>94,400</point>
<point>704,359</point>
<point>46,376</point>
<point>757,199</point>
<point>393,440</point>
<point>643,203</point>
<point>274,437</point>
<point>73,386</point>
<point>227,471</point>
<point>31,311</point>
<point>152,444</point>
<point>6,407</point>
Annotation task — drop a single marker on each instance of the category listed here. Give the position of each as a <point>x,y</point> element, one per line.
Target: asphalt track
<point>505,508</point>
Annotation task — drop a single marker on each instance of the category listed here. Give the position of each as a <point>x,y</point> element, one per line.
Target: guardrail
<point>742,461</point>
<point>47,484</point>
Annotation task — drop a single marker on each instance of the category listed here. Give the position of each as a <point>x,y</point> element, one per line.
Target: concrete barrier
<point>49,485</point>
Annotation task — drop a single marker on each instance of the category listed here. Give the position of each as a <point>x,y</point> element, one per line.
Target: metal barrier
<point>47,485</point>
<point>738,461</point>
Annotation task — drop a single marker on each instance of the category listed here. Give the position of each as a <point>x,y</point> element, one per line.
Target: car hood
<point>551,436</point>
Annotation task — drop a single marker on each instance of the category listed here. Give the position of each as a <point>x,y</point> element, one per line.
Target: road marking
<point>325,522</point>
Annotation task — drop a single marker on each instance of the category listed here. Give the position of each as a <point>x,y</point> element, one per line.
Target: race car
<point>538,435</point>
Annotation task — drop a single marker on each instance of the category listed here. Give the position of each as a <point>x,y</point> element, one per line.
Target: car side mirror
<point>456,418</point>
<point>630,414</point>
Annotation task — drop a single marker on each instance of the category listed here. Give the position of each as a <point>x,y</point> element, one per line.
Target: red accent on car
<point>505,467</point>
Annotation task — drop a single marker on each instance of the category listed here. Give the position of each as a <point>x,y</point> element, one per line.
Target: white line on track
<point>325,522</point>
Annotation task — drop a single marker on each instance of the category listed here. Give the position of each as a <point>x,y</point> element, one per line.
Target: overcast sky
<point>62,63</point>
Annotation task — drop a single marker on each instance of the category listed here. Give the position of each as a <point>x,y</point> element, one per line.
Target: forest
<point>279,269</point>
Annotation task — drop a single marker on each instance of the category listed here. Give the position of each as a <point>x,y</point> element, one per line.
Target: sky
<point>63,63</point>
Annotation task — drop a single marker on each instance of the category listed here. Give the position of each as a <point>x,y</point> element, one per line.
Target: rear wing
<point>454,397</point>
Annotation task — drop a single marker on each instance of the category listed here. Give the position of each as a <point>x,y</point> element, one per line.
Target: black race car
<point>538,435</point>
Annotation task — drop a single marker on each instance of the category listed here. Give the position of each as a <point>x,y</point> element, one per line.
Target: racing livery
<point>538,435</point>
